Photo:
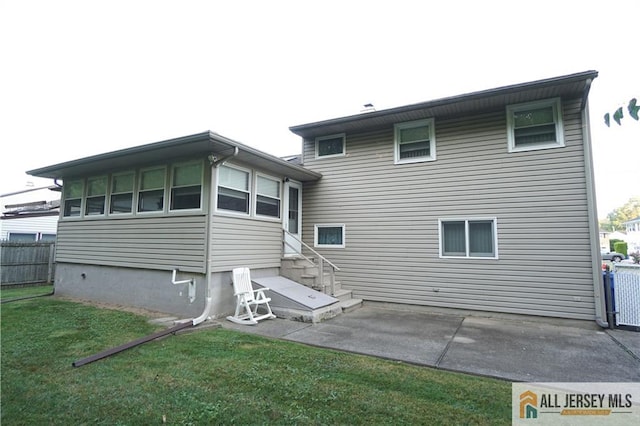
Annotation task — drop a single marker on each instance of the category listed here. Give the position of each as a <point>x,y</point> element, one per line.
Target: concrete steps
<point>307,272</point>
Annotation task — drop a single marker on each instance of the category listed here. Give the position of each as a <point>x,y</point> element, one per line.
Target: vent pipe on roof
<point>368,108</point>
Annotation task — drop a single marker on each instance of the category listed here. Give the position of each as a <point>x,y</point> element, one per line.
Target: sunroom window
<point>151,192</point>
<point>415,141</point>
<point>233,189</point>
<point>267,197</point>
<point>186,186</point>
<point>468,238</point>
<point>122,193</point>
<point>535,125</point>
<point>96,196</point>
<point>73,190</point>
<point>330,146</point>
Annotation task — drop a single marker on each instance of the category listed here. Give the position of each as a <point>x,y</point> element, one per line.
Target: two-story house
<point>482,201</point>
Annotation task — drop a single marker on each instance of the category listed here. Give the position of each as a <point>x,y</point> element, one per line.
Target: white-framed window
<point>73,192</point>
<point>233,189</point>
<point>96,196</point>
<point>329,235</point>
<point>330,146</point>
<point>415,141</point>
<point>151,190</point>
<point>186,186</point>
<point>468,237</point>
<point>121,200</point>
<point>267,196</point>
<point>535,125</point>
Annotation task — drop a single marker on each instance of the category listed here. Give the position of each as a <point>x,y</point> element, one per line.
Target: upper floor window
<point>535,125</point>
<point>151,192</point>
<point>267,196</point>
<point>415,141</point>
<point>73,191</point>
<point>330,146</point>
<point>122,193</point>
<point>186,186</point>
<point>233,189</point>
<point>96,195</point>
<point>468,238</point>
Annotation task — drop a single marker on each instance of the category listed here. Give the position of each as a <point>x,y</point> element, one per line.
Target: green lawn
<point>214,376</point>
<point>30,291</point>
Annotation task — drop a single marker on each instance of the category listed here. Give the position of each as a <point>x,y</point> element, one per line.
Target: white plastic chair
<point>248,300</point>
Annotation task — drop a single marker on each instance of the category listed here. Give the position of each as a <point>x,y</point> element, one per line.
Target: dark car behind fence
<point>26,263</point>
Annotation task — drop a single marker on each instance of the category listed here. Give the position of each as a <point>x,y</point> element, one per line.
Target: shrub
<point>620,247</point>
<point>636,257</point>
<point>612,244</point>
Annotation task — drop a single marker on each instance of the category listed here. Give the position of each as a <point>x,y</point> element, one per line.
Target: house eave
<point>568,86</point>
<point>197,145</point>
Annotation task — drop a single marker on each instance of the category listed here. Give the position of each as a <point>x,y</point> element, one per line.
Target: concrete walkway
<point>515,348</point>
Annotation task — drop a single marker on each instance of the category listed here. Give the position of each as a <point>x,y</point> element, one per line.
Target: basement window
<point>329,236</point>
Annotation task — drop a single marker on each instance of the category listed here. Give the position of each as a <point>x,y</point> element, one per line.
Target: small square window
<point>415,141</point>
<point>329,236</point>
<point>476,238</point>
<point>330,146</point>
<point>535,125</point>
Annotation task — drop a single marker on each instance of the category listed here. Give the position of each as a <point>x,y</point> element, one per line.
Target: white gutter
<point>596,257</point>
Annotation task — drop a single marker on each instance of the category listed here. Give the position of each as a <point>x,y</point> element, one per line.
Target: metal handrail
<point>322,259</point>
<point>310,249</point>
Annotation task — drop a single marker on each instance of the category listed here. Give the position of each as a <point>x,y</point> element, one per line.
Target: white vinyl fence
<point>627,294</point>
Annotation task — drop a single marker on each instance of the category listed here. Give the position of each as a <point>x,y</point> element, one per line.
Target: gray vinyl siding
<point>238,242</point>
<point>391,216</point>
<point>163,242</point>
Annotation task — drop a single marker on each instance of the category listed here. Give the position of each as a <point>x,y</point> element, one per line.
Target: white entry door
<point>292,218</point>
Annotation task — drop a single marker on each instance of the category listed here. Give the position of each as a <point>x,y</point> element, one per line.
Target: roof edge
<point>585,75</point>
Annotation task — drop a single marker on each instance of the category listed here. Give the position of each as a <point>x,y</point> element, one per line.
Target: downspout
<point>596,257</point>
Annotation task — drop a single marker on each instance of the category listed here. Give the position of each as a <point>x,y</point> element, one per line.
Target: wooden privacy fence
<point>26,263</point>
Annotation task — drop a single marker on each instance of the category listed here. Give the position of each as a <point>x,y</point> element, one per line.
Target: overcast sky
<point>79,78</point>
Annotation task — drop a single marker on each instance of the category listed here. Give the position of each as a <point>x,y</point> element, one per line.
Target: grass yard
<point>214,376</point>
<point>28,291</point>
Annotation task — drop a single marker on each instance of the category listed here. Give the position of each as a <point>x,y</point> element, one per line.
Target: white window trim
<point>329,225</point>
<point>337,135</point>
<point>82,201</point>
<point>249,191</point>
<point>408,125</point>
<point>134,195</point>
<point>173,169</point>
<point>557,116</point>
<point>138,190</point>
<point>87,196</point>
<point>466,236</point>
<point>255,197</point>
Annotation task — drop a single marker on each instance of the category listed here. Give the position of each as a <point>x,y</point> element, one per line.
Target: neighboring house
<point>604,240</point>
<point>483,201</point>
<point>632,228</point>
<point>23,219</point>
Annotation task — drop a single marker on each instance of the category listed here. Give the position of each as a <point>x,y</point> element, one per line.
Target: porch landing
<point>292,300</point>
